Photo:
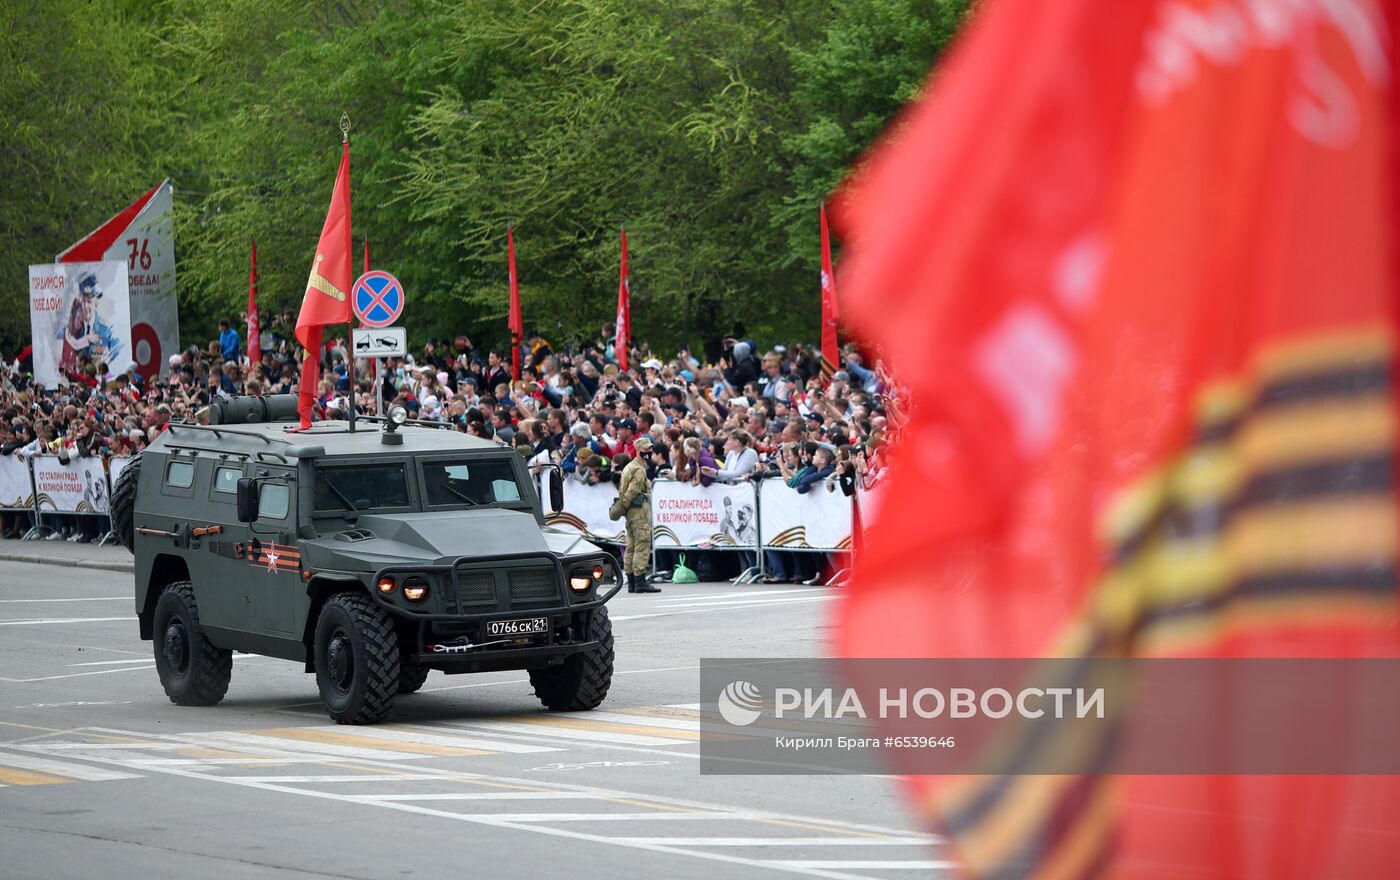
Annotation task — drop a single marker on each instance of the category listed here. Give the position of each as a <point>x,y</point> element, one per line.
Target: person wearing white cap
<point>430,408</point>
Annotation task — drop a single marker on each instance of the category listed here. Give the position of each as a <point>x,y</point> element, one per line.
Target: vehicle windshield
<point>361,487</point>
<point>470,481</point>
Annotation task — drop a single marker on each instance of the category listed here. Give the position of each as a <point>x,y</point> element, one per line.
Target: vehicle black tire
<point>357,659</point>
<point>581,682</point>
<point>192,670</point>
<point>124,504</point>
<point>411,675</point>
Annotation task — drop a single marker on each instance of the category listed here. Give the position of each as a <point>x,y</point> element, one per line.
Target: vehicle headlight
<point>415,589</point>
<point>582,578</point>
<point>386,584</point>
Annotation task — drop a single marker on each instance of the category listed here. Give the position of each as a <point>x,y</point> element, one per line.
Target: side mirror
<point>556,490</point>
<point>247,495</point>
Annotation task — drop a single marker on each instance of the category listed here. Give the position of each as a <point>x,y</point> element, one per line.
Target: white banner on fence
<point>683,515</point>
<point>818,520</point>
<point>80,486</point>
<point>585,510</point>
<point>16,492</point>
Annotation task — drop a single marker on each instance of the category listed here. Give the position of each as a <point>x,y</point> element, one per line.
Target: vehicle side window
<point>274,501</point>
<point>180,474</point>
<point>226,479</point>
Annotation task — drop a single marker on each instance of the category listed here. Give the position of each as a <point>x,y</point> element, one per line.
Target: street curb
<point>12,556</point>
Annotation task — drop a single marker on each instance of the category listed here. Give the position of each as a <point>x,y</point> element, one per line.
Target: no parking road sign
<point>377,299</point>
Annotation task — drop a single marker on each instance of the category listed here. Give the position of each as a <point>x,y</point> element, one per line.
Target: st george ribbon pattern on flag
<point>1134,264</point>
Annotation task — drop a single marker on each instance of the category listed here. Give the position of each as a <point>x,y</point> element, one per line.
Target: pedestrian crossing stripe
<point>25,777</point>
<point>395,744</point>
<point>636,729</point>
<point>17,769</point>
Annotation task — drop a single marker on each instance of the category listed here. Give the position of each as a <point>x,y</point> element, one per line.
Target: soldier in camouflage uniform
<point>634,497</point>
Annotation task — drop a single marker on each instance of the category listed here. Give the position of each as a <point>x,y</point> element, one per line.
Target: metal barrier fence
<point>47,485</point>
<point>749,517</point>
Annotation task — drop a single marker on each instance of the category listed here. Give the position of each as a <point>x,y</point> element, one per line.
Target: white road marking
<point>539,827</point>
<point>748,594</point>
<point>570,733</point>
<point>867,865</point>
<point>113,662</point>
<point>481,684</point>
<point>482,796</point>
<point>372,777</point>
<point>783,841</point>
<point>610,817</point>
<point>643,720</point>
<point>726,607</point>
<point>413,735</point>
<point>42,621</point>
<point>87,599</point>
<point>76,674</point>
<point>274,745</point>
<point>60,768</point>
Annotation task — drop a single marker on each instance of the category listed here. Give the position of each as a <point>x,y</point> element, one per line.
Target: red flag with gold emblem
<point>1133,265</point>
<point>327,299</point>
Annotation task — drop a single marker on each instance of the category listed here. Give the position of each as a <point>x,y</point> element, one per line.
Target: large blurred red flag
<point>327,299</point>
<point>1133,265</point>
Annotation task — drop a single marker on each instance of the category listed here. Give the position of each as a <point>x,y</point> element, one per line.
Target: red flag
<point>831,353</point>
<point>254,326</point>
<point>517,321</point>
<point>622,341</point>
<point>1132,264</point>
<point>327,300</point>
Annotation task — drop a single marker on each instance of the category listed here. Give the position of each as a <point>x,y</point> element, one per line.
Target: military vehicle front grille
<point>476,587</point>
<point>533,586</point>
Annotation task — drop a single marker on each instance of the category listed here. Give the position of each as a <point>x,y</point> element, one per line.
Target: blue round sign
<point>377,299</point>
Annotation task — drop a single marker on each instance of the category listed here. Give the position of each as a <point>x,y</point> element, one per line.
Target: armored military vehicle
<point>370,556</point>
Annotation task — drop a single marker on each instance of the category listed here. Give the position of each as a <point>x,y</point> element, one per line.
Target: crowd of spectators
<point>748,414</point>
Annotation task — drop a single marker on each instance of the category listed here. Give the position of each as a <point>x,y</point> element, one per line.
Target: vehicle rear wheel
<point>124,503</point>
<point>581,681</point>
<point>192,670</point>
<point>411,676</point>
<point>357,659</point>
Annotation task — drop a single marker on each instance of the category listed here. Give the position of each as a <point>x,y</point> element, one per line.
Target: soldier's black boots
<point>643,586</point>
<point>631,582</point>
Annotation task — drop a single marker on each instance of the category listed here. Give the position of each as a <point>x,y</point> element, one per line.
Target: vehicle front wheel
<point>192,670</point>
<point>582,680</point>
<point>357,659</point>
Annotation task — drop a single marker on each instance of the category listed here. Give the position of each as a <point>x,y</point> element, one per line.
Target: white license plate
<point>524,626</point>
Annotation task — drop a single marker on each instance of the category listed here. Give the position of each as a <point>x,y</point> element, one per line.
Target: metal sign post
<point>378,300</point>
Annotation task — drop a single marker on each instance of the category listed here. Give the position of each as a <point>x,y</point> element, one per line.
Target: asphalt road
<point>102,777</point>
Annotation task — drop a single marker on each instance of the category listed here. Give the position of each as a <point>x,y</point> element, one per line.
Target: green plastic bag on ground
<point>683,575</point>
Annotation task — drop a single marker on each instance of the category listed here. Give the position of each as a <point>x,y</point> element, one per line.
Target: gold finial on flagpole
<point>345,126</point>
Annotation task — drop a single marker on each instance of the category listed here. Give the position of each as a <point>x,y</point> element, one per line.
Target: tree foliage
<point>711,129</point>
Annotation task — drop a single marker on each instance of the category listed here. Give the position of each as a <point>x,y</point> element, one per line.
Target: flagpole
<point>349,251</point>
<point>378,378</point>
